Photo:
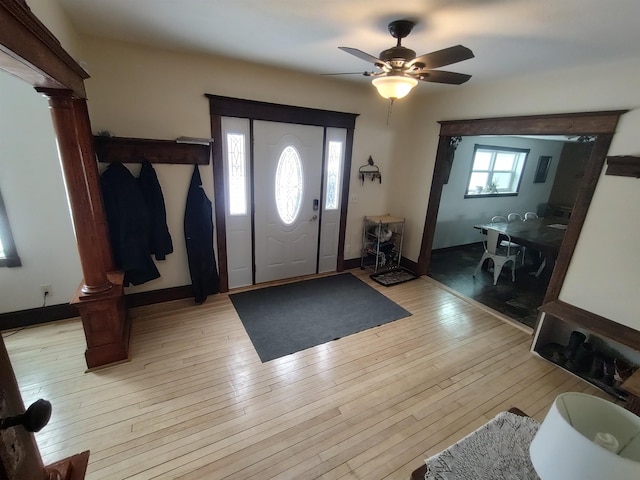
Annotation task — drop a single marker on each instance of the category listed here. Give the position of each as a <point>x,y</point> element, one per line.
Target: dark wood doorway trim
<point>28,50</point>
<point>254,110</point>
<point>602,125</point>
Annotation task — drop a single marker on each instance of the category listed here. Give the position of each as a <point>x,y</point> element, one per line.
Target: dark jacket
<point>160,240</point>
<point>198,235</point>
<point>128,221</point>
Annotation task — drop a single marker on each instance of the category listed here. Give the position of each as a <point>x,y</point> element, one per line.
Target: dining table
<point>544,234</point>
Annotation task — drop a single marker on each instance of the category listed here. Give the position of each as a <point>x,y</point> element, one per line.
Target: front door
<point>287,186</point>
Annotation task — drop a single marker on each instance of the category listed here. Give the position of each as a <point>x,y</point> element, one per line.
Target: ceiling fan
<point>399,69</point>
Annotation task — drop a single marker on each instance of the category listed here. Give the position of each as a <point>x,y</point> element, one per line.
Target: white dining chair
<point>514,217</point>
<point>530,216</point>
<point>498,255</point>
<point>505,243</point>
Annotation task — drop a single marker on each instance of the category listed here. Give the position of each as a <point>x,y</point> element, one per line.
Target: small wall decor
<point>542,169</point>
<point>453,146</point>
<point>370,170</point>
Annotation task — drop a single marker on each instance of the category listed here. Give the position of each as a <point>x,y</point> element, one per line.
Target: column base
<point>105,322</point>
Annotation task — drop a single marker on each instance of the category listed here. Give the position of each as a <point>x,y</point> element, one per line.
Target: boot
<point>582,360</point>
<point>597,366</point>
<point>576,339</point>
<point>608,371</point>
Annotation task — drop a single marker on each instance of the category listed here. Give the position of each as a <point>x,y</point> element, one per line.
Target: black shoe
<point>608,371</point>
<point>597,366</point>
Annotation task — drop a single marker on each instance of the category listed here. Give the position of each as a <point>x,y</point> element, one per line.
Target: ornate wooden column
<point>85,137</point>
<point>70,150</point>
<point>100,297</point>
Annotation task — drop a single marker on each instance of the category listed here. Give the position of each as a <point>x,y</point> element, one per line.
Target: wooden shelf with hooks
<point>136,150</point>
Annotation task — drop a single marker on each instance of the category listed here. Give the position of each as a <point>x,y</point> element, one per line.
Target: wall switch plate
<point>45,289</point>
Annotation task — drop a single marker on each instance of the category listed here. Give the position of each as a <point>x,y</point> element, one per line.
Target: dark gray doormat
<point>289,318</point>
<point>393,277</point>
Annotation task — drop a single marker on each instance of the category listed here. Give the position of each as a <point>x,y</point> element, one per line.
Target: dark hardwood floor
<point>454,268</point>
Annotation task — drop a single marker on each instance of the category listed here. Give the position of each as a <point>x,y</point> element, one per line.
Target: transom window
<point>289,185</point>
<point>496,171</point>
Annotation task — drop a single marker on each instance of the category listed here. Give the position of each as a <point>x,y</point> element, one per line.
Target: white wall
<point>56,20</point>
<point>601,278</point>
<point>137,91</point>
<point>457,215</point>
<point>34,195</point>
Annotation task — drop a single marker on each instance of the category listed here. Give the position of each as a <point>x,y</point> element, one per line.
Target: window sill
<point>10,262</point>
<point>490,195</point>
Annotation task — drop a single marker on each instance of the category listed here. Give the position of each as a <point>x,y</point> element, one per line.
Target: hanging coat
<point>159,239</point>
<point>128,221</point>
<point>198,235</point>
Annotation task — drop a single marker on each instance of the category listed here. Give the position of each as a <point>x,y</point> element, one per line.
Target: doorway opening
<point>537,178</point>
<point>599,125</point>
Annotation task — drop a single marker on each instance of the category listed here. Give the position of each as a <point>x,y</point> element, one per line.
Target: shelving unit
<point>381,242</point>
<point>604,336</point>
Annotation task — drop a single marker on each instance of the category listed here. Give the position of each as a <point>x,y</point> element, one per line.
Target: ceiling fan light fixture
<point>394,86</point>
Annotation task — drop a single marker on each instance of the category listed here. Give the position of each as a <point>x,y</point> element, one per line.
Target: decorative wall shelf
<point>136,150</point>
<point>623,166</point>
<point>370,170</point>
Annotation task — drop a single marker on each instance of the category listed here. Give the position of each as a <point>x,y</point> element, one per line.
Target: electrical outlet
<point>354,199</point>
<point>45,289</point>
<point>347,248</point>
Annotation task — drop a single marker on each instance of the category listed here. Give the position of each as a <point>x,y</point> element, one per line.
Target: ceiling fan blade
<point>440,76</point>
<point>366,74</point>
<point>443,57</point>
<point>363,55</point>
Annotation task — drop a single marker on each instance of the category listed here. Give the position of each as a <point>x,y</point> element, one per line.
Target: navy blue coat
<point>160,243</point>
<point>198,235</point>
<point>128,221</point>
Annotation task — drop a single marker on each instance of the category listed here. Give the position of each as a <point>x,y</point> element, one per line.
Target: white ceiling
<point>509,37</point>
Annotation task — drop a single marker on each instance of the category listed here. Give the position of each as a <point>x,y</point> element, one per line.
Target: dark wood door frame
<point>602,125</point>
<point>254,110</point>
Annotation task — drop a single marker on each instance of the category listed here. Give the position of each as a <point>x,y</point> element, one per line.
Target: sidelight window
<point>334,160</point>
<point>237,170</point>
<point>289,185</point>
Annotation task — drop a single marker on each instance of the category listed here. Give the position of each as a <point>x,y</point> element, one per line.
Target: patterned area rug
<point>393,277</point>
<point>499,450</point>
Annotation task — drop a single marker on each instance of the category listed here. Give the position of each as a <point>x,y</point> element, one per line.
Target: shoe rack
<point>598,350</point>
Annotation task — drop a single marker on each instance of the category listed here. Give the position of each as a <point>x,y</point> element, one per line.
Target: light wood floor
<point>195,402</point>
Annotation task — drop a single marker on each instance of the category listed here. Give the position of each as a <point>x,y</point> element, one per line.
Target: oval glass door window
<point>289,185</point>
